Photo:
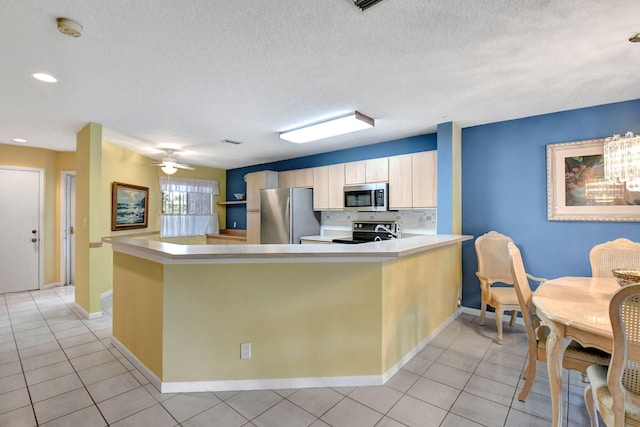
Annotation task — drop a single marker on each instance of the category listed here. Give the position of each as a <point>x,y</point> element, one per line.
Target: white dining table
<point>574,308</point>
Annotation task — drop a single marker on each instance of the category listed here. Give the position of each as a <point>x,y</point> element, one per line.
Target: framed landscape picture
<point>577,190</point>
<point>129,206</point>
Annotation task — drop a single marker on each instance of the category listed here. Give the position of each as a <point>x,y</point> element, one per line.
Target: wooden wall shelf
<point>233,202</point>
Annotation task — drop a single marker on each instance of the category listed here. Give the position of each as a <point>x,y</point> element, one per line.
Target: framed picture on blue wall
<point>577,189</point>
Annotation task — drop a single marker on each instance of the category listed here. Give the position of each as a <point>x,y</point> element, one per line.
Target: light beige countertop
<point>169,253</point>
<point>325,238</point>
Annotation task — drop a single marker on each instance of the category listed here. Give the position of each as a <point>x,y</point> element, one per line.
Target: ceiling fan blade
<point>181,166</point>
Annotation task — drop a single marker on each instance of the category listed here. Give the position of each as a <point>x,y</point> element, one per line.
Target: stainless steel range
<point>371,231</point>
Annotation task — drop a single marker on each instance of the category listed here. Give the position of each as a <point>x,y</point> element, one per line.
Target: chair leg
<point>591,406</point>
<point>483,310</point>
<point>513,317</point>
<point>529,376</point>
<point>499,312</point>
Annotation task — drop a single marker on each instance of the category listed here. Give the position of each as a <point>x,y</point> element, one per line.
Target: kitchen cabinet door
<point>400,182</point>
<point>328,184</point>
<point>297,178</point>
<point>377,170</point>
<point>425,179</point>
<point>366,171</point>
<point>336,186</point>
<point>286,179</point>
<point>321,188</point>
<point>253,227</point>
<point>355,173</point>
<point>304,178</point>
<point>257,181</point>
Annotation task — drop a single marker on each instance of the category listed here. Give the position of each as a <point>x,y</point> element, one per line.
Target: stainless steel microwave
<point>366,197</point>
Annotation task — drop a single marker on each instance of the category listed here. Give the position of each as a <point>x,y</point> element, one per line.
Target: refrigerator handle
<point>288,219</point>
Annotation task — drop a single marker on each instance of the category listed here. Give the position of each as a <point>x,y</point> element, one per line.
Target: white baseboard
<point>84,313</point>
<point>148,374</point>
<point>52,285</point>
<point>270,384</point>
<point>407,357</point>
<point>278,383</point>
<point>489,315</point>
<point>106,294</point>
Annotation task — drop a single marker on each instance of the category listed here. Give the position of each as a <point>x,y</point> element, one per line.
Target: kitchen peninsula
<point>315,315</point>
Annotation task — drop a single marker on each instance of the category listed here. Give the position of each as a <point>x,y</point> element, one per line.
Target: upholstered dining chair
<point>615,391</point>
<point>619,253</point>
<point>493,267</point>
<point>576,357</point>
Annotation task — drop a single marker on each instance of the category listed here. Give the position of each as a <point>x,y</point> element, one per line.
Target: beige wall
<point>142,281</point>
<point>52,162</point>
<point>420,293</point>
<point>115,164</point>
<point>101,163</point>
<point>304,320</point>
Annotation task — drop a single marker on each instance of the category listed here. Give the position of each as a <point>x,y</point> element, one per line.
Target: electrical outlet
<point>234,224</point>
<point>245,350</point>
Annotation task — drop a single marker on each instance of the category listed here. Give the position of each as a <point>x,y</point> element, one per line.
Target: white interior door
<point>68,229</point>
<point>20,212</point>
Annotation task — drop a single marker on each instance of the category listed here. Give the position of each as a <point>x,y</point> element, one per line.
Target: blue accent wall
<point>445,180</point>
<point>235,177</point>
<point>504,189</point>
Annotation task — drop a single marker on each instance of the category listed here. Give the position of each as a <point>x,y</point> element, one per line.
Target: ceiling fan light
<point>339,126</point>
<point>169,168</point>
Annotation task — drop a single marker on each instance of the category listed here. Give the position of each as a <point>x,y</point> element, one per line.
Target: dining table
<point>574,308</point>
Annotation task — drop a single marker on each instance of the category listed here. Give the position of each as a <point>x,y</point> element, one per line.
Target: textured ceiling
<point>188,75</point>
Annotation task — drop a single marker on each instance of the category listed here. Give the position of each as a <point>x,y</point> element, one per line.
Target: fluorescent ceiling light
<point>19,140</point>
<point>338,126</point>
<point>47,78</point>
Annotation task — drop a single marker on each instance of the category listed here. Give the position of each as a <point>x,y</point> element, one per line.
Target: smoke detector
<point>69,27</point>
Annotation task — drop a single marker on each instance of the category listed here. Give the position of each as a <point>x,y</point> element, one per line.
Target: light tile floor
<point>58,369</point>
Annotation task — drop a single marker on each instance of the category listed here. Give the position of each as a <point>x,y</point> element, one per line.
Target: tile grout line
<point>119,361</point>
<point>24,376</point>
<point>72,366</point>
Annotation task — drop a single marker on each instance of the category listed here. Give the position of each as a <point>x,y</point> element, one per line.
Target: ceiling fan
<point>169,165</point>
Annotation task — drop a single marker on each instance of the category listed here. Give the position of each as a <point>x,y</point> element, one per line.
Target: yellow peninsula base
<point>341,320</point>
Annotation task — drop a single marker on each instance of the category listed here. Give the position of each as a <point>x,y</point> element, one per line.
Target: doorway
<point>21,213</point>
<point>68,223</point>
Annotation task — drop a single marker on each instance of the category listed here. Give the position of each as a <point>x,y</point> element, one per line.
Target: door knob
<point>34,240</point>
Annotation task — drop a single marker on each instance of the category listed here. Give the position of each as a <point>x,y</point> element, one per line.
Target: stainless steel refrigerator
<point>286,214</point>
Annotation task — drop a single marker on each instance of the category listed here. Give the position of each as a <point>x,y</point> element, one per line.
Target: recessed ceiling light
<point>19,140</point>
<point>47,78</point>
<point>69,27</point>
<point>635,38</point>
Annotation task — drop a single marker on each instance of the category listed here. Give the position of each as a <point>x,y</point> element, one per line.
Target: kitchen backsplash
<point>411,222</point>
